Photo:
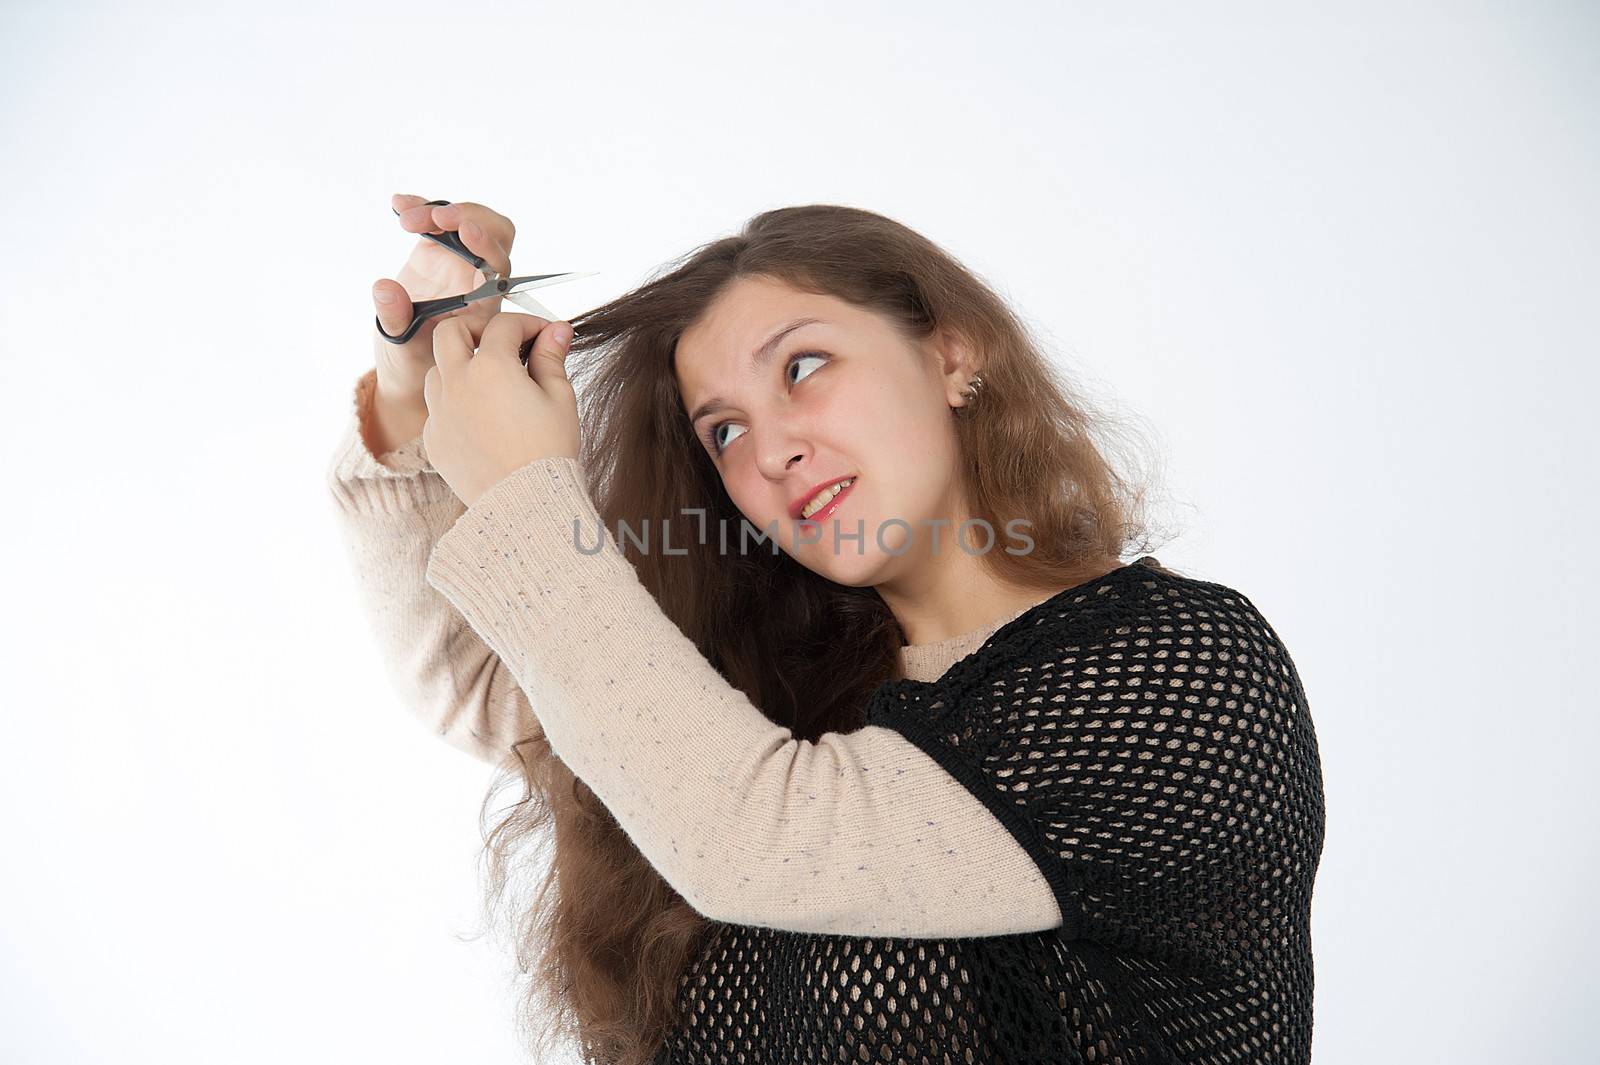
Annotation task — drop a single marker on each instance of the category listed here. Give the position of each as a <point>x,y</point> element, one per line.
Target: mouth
<point>825,501</point>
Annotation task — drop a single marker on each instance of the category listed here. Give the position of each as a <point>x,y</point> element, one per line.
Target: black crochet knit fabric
<point>1145,736</point>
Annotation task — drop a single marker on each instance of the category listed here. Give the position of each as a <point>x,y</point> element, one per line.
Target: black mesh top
<point>1145,736</point>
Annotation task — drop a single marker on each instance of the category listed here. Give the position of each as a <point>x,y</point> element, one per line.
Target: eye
<point>711,438</point>
<point>800,357</point>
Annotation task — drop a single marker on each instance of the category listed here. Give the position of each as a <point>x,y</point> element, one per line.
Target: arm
<point>392,508</point>
<point>860,833</point>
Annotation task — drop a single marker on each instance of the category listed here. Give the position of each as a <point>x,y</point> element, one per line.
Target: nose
<point>780,450</point>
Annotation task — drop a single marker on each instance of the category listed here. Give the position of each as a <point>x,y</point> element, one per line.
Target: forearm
<point>857,833</point>
<point>392,507</point>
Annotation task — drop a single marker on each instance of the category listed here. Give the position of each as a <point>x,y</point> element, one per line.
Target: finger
<point>506,333</point>
<point>456,215</point>
<point>480,242</point>
<point>547,361</point>
<point>430,389</point>
<point>491,240</point>
<point>395,315</point>
<point>452,347</point>
<point>416,217</point>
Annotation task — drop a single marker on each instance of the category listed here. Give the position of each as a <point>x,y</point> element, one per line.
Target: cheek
<point>886,424</point>
<point>913,452</point>
<point>749,490</point>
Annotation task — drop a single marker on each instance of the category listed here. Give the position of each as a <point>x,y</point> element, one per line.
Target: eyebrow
<point>762,356</point>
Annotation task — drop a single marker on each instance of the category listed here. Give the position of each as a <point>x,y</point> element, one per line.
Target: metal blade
<point>521,284</point>
<point>528,303</point>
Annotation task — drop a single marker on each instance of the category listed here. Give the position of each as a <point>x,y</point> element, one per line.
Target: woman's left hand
<point>488,415</point>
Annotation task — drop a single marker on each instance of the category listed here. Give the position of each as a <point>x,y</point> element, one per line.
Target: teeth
<point>823,497</point>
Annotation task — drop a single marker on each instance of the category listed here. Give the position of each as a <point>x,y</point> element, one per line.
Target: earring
<point>974,386</point>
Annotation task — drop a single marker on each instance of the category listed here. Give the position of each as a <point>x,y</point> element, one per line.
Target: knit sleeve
<point>858,833</point>
<point>391,509</point>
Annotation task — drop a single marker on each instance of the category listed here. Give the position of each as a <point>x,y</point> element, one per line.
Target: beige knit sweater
<point>495,625</point>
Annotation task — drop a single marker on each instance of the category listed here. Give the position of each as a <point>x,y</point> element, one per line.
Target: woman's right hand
<point>431,272</point>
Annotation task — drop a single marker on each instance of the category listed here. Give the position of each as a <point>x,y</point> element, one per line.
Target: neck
<point>962,596</point>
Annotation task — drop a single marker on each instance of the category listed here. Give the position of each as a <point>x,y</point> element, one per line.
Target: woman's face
<point>785,410</point>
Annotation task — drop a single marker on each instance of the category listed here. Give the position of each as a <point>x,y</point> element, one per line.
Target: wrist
<point>396,417</point>
<point>399,388</point>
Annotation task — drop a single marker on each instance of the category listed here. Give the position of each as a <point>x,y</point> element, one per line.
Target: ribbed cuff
<point>391,483</point>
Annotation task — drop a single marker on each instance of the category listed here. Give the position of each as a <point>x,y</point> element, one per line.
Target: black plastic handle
<point>450,240</point>
<point>421,312</point>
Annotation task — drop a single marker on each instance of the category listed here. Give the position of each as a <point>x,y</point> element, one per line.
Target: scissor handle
<point>421,312</point>
<point>451,241</point>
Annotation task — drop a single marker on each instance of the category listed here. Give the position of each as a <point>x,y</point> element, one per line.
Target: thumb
<point>393,305</point>
<point>547,358</point>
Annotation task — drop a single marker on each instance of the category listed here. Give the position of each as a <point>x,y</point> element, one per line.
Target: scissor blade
<point>528,303</point>
<point>520,284</point>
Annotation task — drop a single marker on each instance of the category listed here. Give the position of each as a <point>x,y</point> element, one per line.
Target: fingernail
<point>382,295</point>
<point>563,332</point>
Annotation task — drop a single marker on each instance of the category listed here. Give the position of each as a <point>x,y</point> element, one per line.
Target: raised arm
<point>392,508</point>
<point>859,833</point>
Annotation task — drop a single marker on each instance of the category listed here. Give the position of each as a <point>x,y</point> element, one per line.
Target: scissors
<point>511,288</point>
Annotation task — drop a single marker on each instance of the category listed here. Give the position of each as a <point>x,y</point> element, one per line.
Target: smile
<point>826,501</point>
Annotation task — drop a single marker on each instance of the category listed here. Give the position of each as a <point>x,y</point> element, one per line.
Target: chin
<point>842,565</point>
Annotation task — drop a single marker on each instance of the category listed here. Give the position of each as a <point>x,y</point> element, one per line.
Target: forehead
<point>744,315</point>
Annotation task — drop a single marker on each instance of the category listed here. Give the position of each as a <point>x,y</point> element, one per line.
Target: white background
<point>1342,259</point>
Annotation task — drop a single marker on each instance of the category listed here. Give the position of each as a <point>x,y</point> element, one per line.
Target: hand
<point>429,273</point>
<point>488,415</point>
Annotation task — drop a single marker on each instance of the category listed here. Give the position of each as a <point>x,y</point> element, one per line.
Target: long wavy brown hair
<point>600,938</point>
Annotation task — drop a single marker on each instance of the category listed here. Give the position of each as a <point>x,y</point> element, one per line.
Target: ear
<point>957,359</point>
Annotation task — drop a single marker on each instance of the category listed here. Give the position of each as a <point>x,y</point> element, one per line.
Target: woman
<point>859,790</point>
